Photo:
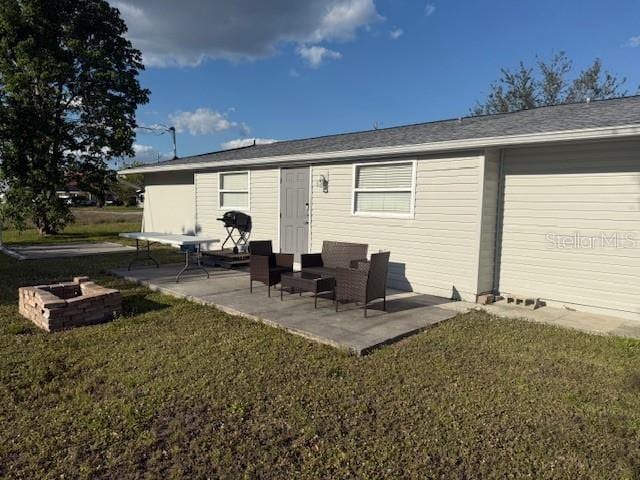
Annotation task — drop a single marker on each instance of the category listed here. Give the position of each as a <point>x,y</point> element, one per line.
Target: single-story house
<point>541,203</point>
<point>73,194</point>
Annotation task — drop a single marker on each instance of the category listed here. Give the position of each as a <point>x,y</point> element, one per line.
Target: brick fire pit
<point>69,304</point>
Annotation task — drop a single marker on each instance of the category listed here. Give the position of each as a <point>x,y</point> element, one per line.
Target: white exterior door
<point>571,226</point>
<point>294,211</point>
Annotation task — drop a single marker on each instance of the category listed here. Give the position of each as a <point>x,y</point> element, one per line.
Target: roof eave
<point>598,133</point>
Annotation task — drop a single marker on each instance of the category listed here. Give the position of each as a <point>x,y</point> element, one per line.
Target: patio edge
<point>347,348</point>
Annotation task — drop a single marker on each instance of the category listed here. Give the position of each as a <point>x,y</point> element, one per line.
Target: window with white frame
<point>233,188</point>
<point>384,188</point>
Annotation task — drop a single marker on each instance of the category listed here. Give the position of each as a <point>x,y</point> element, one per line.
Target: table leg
<point>199,257</point>
<point>187,263</point>
<point>137,255</point>
<point>138,258</point>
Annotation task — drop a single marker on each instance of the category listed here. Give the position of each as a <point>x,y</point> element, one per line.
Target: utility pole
<point>173,137</point>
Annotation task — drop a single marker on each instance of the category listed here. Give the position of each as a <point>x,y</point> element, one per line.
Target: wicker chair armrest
<point>259,263</point>
<point>284,260</point>
<point>350,276</point>
<point>311,260</point>
<point>351,272</point>
<point>350,284</point>
<point>360,264</point>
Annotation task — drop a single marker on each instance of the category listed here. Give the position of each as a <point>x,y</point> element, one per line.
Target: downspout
<point>497,237</point>
<point>144,203</point>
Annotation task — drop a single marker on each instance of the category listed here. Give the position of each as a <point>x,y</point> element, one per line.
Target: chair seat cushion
<point>279,269</point>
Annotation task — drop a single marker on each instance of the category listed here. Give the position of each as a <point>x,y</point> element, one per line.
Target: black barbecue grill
<point>239,222</point>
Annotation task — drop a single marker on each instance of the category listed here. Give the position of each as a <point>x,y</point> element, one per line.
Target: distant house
<point>542,203</point>
<point>73,195</point>
<point>140,198</point>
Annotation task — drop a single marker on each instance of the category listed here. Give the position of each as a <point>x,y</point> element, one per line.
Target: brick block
<point>522,301</point>
<point>485,299</point>
<point>69,304</point>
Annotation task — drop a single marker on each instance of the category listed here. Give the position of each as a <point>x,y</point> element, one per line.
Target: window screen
<point>234,190</point>
<point>385,188</point>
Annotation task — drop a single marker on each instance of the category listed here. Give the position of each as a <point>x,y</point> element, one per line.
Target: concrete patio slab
<point>65,250</point>
<point>583,321</point>
<point>407,313</point>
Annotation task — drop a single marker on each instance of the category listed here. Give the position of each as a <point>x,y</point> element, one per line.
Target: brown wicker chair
<point>334,255</point>
<point>265,266</point>
<point>364,282</point>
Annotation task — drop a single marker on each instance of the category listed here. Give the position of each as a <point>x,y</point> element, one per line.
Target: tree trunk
<point>44,227</point>
<point>44,230</point>
<point>52,222</point>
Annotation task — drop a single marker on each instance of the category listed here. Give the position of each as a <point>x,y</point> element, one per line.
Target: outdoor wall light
<point>323,183</point>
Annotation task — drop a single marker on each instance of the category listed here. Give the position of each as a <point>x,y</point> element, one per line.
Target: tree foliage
<point>126,187</point>
<point>95,178</point>
<point>69,91</point>
<point>548,83</point>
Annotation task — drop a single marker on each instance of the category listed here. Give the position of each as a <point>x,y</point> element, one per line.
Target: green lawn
<point>178,390</point>
<point>91,224</point>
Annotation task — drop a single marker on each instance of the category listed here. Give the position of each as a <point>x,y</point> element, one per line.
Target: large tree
<point>126,187</point>
<point>548,83</point>
<point>69,91</point>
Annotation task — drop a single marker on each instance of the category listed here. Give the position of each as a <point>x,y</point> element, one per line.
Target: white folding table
<point>189,244</point>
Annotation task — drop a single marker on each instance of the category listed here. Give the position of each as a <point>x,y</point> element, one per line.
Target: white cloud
<point>343,18</point>
<point>245,142</point>
<point>429,9</point>
<point>142,149</point>
<point>244,128</point>
<point>147,153</point>
<point>237,29</point>
<point>294,73</point>
<point>316,55</point>
<point>396,33</point>
<point>203,121</point>
<point>633,42</point>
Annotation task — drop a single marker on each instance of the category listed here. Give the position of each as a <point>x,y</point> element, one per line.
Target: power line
<point>160,129</point>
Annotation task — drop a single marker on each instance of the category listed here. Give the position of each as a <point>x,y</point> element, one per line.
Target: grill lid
<point>236,219</point>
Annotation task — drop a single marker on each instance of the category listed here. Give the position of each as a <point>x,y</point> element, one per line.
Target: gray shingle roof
<point>602,113</point>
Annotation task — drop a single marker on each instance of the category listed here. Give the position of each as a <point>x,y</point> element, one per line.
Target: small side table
<point>308,282</point>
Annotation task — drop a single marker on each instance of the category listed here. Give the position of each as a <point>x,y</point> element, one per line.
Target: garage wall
<point>562,205</point>
<point>169,203</point>
<point>264,206</point>
<point>436,252</point>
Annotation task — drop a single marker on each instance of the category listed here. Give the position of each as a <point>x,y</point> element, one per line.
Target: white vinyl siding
<point>433,252</point>
<point>489,211</point>
<point>555,197</point>
<point>169,205</point>
<point>386,188</point>
<point>264,205</point>
<point>234,190</point>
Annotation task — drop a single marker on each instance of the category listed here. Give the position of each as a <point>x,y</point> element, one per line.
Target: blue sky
<point>238,69</point>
